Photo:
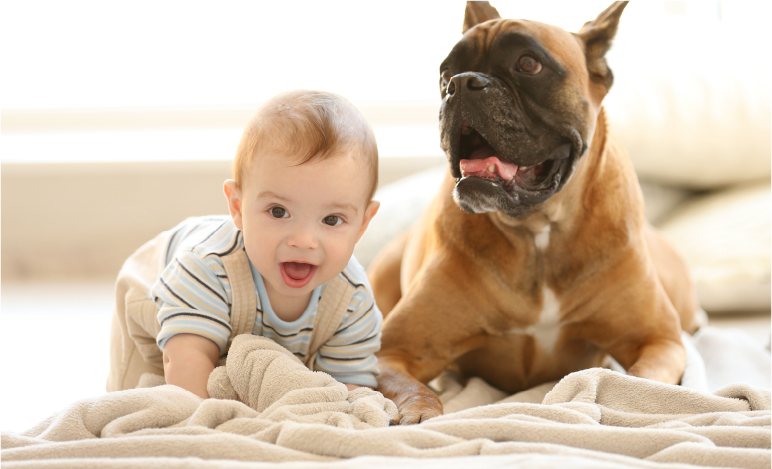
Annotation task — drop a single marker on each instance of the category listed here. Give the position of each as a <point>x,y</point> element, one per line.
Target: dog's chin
<point>479,195</point>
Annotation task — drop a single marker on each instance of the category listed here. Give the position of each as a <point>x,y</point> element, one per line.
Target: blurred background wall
<point>118,120</point>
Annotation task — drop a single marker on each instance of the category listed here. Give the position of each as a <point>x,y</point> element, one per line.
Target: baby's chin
<point>321,279</point>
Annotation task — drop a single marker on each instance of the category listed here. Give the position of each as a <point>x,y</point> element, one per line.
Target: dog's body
<point>550,265</point>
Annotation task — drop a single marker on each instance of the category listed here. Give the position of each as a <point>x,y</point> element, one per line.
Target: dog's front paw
<point>417,409</point>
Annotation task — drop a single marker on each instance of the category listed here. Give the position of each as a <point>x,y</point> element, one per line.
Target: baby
<point>301,197</point>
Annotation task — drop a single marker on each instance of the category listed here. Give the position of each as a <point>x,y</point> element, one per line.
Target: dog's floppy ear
<point>478,12</point>
<point>597,36</point>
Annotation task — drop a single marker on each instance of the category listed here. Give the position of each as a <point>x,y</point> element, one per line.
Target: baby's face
<point>300,223</point>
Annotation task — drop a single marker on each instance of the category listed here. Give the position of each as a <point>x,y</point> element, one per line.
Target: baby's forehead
<point>348,163</point>
<point>353,157</point>
<point>365,164</point>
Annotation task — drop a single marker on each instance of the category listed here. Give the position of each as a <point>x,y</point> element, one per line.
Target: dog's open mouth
<point>480,159</point>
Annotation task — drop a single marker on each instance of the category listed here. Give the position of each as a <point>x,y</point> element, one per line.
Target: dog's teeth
<point>492,168</point>
<point>524,168</point>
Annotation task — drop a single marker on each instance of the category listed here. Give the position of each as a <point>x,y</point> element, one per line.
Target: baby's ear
<point>370,211</point>
<point>233,195</point>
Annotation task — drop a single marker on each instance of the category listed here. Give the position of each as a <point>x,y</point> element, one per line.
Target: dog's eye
<point>528,64</point>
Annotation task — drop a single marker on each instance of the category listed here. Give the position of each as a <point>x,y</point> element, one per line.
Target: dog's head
<point>520,102</point>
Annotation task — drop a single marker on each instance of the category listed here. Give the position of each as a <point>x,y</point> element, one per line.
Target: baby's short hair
<point>309,126</point>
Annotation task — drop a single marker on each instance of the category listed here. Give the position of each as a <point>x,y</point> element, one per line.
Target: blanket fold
<point>271,409</point>
<point>271,380</point>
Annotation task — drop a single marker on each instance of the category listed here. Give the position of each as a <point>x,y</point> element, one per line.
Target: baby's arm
<point>194,314</point>
<point>349,355</point>
<point>188,361</point>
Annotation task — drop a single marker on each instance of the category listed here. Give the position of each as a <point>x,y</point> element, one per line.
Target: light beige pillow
<point>660,200</point>
<point>402,203</point>
<point>725,237</point>
<point>690,105</point>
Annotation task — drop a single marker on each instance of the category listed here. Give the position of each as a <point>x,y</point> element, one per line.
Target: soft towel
<point>271,380</point>
<point>591,418</point>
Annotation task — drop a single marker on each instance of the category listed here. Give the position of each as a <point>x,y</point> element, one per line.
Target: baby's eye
<point>332,220</point>
<point>279,212</point>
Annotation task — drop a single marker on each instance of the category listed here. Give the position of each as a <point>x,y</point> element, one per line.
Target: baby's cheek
<point>257,250</point>
<point>340,257</point>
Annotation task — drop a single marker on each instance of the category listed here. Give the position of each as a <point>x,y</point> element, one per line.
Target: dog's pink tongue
<point>478,167</point>
<point>297,270</point>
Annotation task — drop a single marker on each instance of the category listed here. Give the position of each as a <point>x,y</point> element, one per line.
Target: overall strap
<point>244,306</point>
<point>329,314</point>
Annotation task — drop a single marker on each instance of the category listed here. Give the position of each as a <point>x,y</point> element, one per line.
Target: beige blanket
<point>284,412</point>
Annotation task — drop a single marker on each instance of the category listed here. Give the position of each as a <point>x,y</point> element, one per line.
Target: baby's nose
<point>303,239</point>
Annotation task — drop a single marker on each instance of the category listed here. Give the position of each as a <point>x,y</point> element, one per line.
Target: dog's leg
<point>650,347</point>
<point>415,401</point>
<point>430,328</point>
<point>662,361</point>
<point>644,333</point>
<point>384,274</point>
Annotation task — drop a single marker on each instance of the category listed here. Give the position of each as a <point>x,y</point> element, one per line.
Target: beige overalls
<point>133,348</point>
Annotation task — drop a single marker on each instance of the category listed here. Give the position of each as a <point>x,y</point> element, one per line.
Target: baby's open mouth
<point>297,274</point>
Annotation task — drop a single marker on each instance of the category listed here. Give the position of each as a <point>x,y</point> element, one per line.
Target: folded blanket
<point>591,418</point>
<point>271,380</point>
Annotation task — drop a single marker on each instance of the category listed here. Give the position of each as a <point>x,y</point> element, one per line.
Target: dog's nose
<point>467,80</point>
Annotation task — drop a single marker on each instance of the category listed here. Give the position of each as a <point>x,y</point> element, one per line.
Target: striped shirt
<point>194,296</point>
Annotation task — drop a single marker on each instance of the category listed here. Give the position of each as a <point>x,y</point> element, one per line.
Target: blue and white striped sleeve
<point>193,297</point>
<point>349,356</point>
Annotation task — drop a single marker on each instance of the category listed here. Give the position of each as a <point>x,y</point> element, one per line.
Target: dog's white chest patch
<point>546,331</point>
<point>542,238</point>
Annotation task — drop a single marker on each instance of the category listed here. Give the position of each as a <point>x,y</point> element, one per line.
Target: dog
<point>534,260</point>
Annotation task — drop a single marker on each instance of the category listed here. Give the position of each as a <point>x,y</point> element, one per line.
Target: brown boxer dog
<point>534,260</point>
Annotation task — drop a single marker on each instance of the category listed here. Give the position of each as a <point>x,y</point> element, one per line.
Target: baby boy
<point>304,175</point>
